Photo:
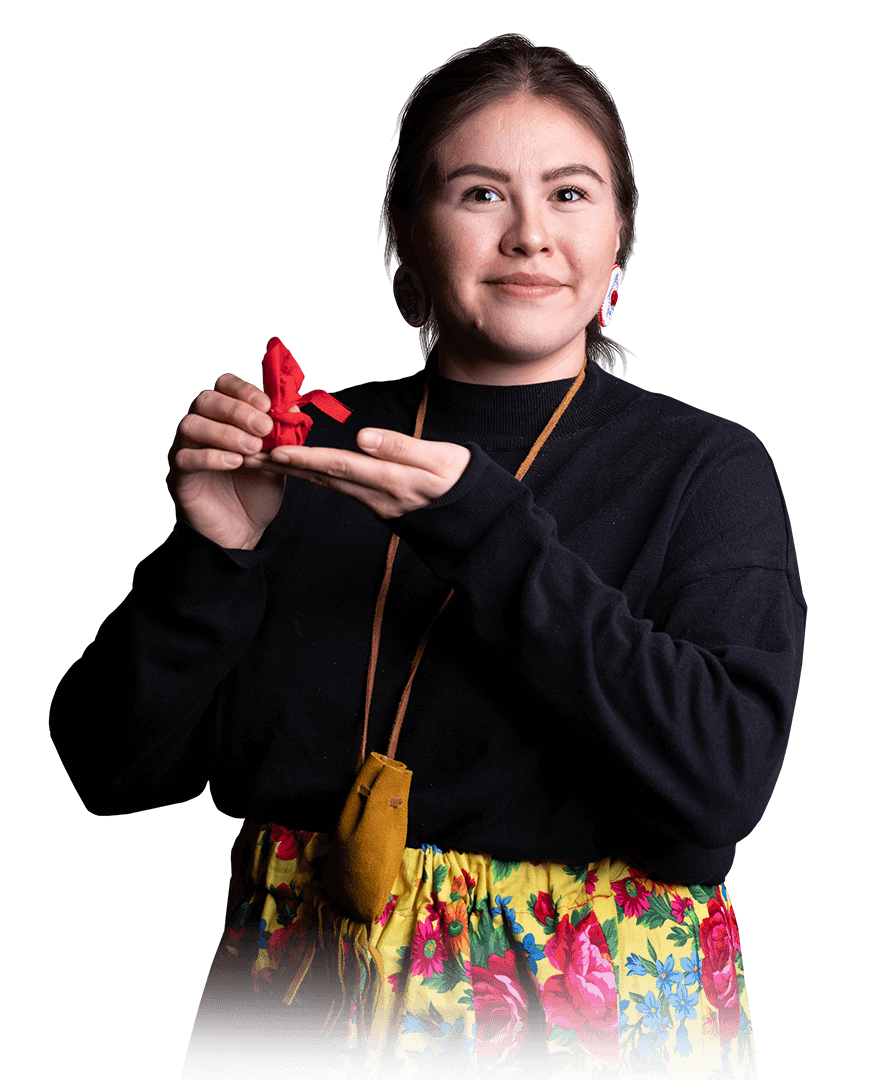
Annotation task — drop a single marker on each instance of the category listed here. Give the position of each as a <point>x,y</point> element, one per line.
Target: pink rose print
<point>584,996</point>
<point>545,908</point>
<point>284,842</point>
<point>389,908</point>
<point>719,936</point>
<point>500,1008</point>
<point>287,941</point>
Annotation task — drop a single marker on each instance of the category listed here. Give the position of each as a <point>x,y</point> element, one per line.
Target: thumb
<point>370,439</point>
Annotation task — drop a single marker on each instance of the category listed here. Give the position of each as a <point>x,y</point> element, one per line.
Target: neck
<point>494,369</point>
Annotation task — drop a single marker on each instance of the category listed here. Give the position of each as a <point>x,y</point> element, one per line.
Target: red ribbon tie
<point>282,384</point>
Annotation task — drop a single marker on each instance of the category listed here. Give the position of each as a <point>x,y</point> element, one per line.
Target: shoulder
<point>659,417</point>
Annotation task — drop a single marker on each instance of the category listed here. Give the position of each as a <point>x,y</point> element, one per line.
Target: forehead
<point>520,133</point>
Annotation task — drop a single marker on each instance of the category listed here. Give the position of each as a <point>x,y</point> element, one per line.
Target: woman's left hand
<point>395,474</point>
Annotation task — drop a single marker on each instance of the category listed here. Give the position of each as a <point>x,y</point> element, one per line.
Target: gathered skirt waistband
<point>475,966</point>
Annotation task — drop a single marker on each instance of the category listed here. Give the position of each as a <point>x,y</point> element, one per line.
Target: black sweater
<point>615,675</point>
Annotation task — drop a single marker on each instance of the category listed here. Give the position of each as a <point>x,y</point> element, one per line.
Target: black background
<point>205,207</point>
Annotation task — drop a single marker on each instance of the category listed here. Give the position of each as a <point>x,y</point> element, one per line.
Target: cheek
<point>456,261</point>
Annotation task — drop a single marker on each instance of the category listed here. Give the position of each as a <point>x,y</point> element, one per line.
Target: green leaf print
<point>444,981</point>
<point>610,929</point>
<point>483,939</point>
<point>576,872</point>
<point>637,999</point>
<point>440,877</point>
<point>562,1037</point>
<point>580,913</point>
<point>679,935</point>
<point>701,894</point>
<point>652,951</point>
<point>656,914</point>
<point>503,869</point>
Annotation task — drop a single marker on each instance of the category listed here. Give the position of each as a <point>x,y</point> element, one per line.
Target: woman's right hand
<point>214,478</point>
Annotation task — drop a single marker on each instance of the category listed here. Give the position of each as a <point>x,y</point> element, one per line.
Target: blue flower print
<point>433,848</point>
<point>693,968</point>
<point>651,1011</point>
<point>635,966</point>
<point>411,1024</point>
<point>683,1003</point>
<point>532,953</point>
<point>682,1045</point>
<point>659,1030</point>
<point>667,977</point>
<point>623,1018</point>
<point>646,1048</point>
<point>450,1031</point>
<point>508,914</point>
<point>262,941</point>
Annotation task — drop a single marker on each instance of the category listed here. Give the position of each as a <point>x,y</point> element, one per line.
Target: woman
<point>611,644</point>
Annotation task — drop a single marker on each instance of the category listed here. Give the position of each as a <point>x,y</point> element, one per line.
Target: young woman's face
<point>516,238</point>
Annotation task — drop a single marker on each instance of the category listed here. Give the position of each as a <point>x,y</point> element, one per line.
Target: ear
<point>402,229</point>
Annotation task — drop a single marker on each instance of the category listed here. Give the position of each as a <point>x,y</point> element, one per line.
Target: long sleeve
<point>685,680</point>
<point>615,674</point>
<point>128,719</point>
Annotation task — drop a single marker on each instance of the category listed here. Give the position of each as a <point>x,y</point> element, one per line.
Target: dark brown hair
<point>474,78</point>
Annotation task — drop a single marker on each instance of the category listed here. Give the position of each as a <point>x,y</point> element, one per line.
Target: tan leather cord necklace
<point>368,843</point>
<point>389,566</point>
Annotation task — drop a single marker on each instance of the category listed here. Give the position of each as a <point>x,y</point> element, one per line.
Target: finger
<point>225,409</point>
<point>233,386</point>
<point>195,430</point>
<point>189,460</point>
<point>388,488</point>
<point>440,458</point>
<point>338,466</point>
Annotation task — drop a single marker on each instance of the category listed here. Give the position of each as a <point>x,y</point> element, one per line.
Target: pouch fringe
<point>361,952</point>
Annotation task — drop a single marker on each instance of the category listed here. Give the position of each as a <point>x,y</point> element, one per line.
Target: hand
<point>395,475</point>
<point>215,477</point>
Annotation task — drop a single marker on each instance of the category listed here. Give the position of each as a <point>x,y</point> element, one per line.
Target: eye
<point>569,195</point>
<point>481,195</point>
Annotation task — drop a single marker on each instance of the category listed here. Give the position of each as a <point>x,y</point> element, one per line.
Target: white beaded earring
<point>611,297</point>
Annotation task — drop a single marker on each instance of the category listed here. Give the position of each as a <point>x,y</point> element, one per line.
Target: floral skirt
<point>476,966</point>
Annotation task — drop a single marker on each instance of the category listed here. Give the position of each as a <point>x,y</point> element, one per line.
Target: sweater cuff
<point>449,528</point>
<point>245,559</point>
<point>189,565</point>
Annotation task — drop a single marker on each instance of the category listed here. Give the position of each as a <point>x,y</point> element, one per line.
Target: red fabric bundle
<point>282,384</point>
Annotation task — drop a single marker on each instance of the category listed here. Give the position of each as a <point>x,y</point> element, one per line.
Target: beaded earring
<point>611,297</point>
<point>412,299</point>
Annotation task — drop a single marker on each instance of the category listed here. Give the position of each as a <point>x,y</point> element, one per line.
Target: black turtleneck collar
<point>500,417</point>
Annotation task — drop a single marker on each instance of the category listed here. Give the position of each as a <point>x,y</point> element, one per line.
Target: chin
<point>517,345</point>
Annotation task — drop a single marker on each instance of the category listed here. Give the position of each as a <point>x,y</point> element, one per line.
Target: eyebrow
<point>505,178</point>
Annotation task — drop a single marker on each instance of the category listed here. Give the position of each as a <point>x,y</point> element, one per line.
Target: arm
<point>128,719</point>
<point>689,693</point>
<point>131,720</point>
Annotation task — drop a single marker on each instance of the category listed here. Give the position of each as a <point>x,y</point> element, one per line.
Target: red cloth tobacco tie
<point>282,384</point>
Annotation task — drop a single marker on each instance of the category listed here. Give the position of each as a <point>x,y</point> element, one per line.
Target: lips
<point>525,279</point>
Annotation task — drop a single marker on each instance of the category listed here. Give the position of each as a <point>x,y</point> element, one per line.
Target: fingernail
<point>369,439</point>
<point>232,459</point>
<point>279,455</point>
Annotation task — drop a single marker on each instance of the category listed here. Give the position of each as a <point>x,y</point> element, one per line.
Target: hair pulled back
<point>469,81</point>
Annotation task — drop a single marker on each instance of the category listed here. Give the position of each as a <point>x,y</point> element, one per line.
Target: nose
<point>527,232</point>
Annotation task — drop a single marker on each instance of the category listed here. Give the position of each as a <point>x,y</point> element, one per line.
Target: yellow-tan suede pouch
<point>369,841</point>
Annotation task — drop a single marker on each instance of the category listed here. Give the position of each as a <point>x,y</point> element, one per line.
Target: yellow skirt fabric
<point>475,967</point>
